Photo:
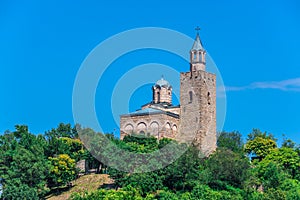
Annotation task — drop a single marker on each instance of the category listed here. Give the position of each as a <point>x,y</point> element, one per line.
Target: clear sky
<point>255,45</point>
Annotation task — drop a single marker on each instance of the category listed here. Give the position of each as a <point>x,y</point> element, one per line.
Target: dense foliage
<point>33,166</point>
<point>255,170</point>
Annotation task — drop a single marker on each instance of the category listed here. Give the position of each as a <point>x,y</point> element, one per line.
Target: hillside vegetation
<point>44,166</point>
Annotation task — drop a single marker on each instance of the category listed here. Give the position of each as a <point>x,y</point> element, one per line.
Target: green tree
<point>260,146</point>
<point>73,147</point>
<point>16,190</point>
<point>292,189</point>
<point>287,158</point>
<point>167,195</point>
<point>139,144</point>
<point>53,136</point>
<point>62,170</point>
<point>270,174</point>
<point>272,194</point>
<point>288,143</point>
<point>118,176</point>
<point>204,192</point>
<point>230,140</point>
<point>227,167</point>
<point>183,173</point>
<point>23,163</point>
<point>257,133</point>
<point>145,182</point>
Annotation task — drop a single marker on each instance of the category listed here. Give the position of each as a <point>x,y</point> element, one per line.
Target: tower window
<point>200,57</point>
<point>191,96</point>
<point>158,97</point>
<point>208,98</point>
<point>195,56</point>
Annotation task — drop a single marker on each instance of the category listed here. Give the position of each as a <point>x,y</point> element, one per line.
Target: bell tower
<point>198,102</point>
<point>197,55</point>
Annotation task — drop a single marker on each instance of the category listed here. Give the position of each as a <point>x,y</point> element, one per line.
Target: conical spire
<point>197,44</point>
<point>197,54</point>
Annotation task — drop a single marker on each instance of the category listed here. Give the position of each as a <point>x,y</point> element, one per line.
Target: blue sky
<point>255,45</point>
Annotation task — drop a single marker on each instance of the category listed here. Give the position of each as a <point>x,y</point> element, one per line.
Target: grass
<point>87,183</point>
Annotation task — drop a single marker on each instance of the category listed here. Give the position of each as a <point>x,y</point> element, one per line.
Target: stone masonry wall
<point>198,110</point>
<point>158,125</point>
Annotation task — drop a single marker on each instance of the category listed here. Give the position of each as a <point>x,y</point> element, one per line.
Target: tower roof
<point>197,44</point>
<point>163,83</point>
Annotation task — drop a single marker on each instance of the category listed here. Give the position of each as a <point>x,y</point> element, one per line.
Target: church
<point>194,120</point>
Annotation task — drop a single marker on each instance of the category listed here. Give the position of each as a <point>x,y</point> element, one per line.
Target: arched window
<point>128,128</point>
<point>158,97</point>
<point>168,125</point>
<point>174,129</point>
<point>168,128</point>
<point>141,128</point>
<point>154,126</point>
<point>191,96</point>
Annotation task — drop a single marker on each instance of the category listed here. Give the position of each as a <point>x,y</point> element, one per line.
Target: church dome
<point>163,83</point>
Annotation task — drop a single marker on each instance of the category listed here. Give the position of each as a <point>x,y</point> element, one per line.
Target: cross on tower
<point>197,29</point>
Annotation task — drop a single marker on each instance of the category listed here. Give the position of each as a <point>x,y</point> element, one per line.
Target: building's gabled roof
<point>151,111</point>
<point>197,44</point>
<point>146,111</point>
